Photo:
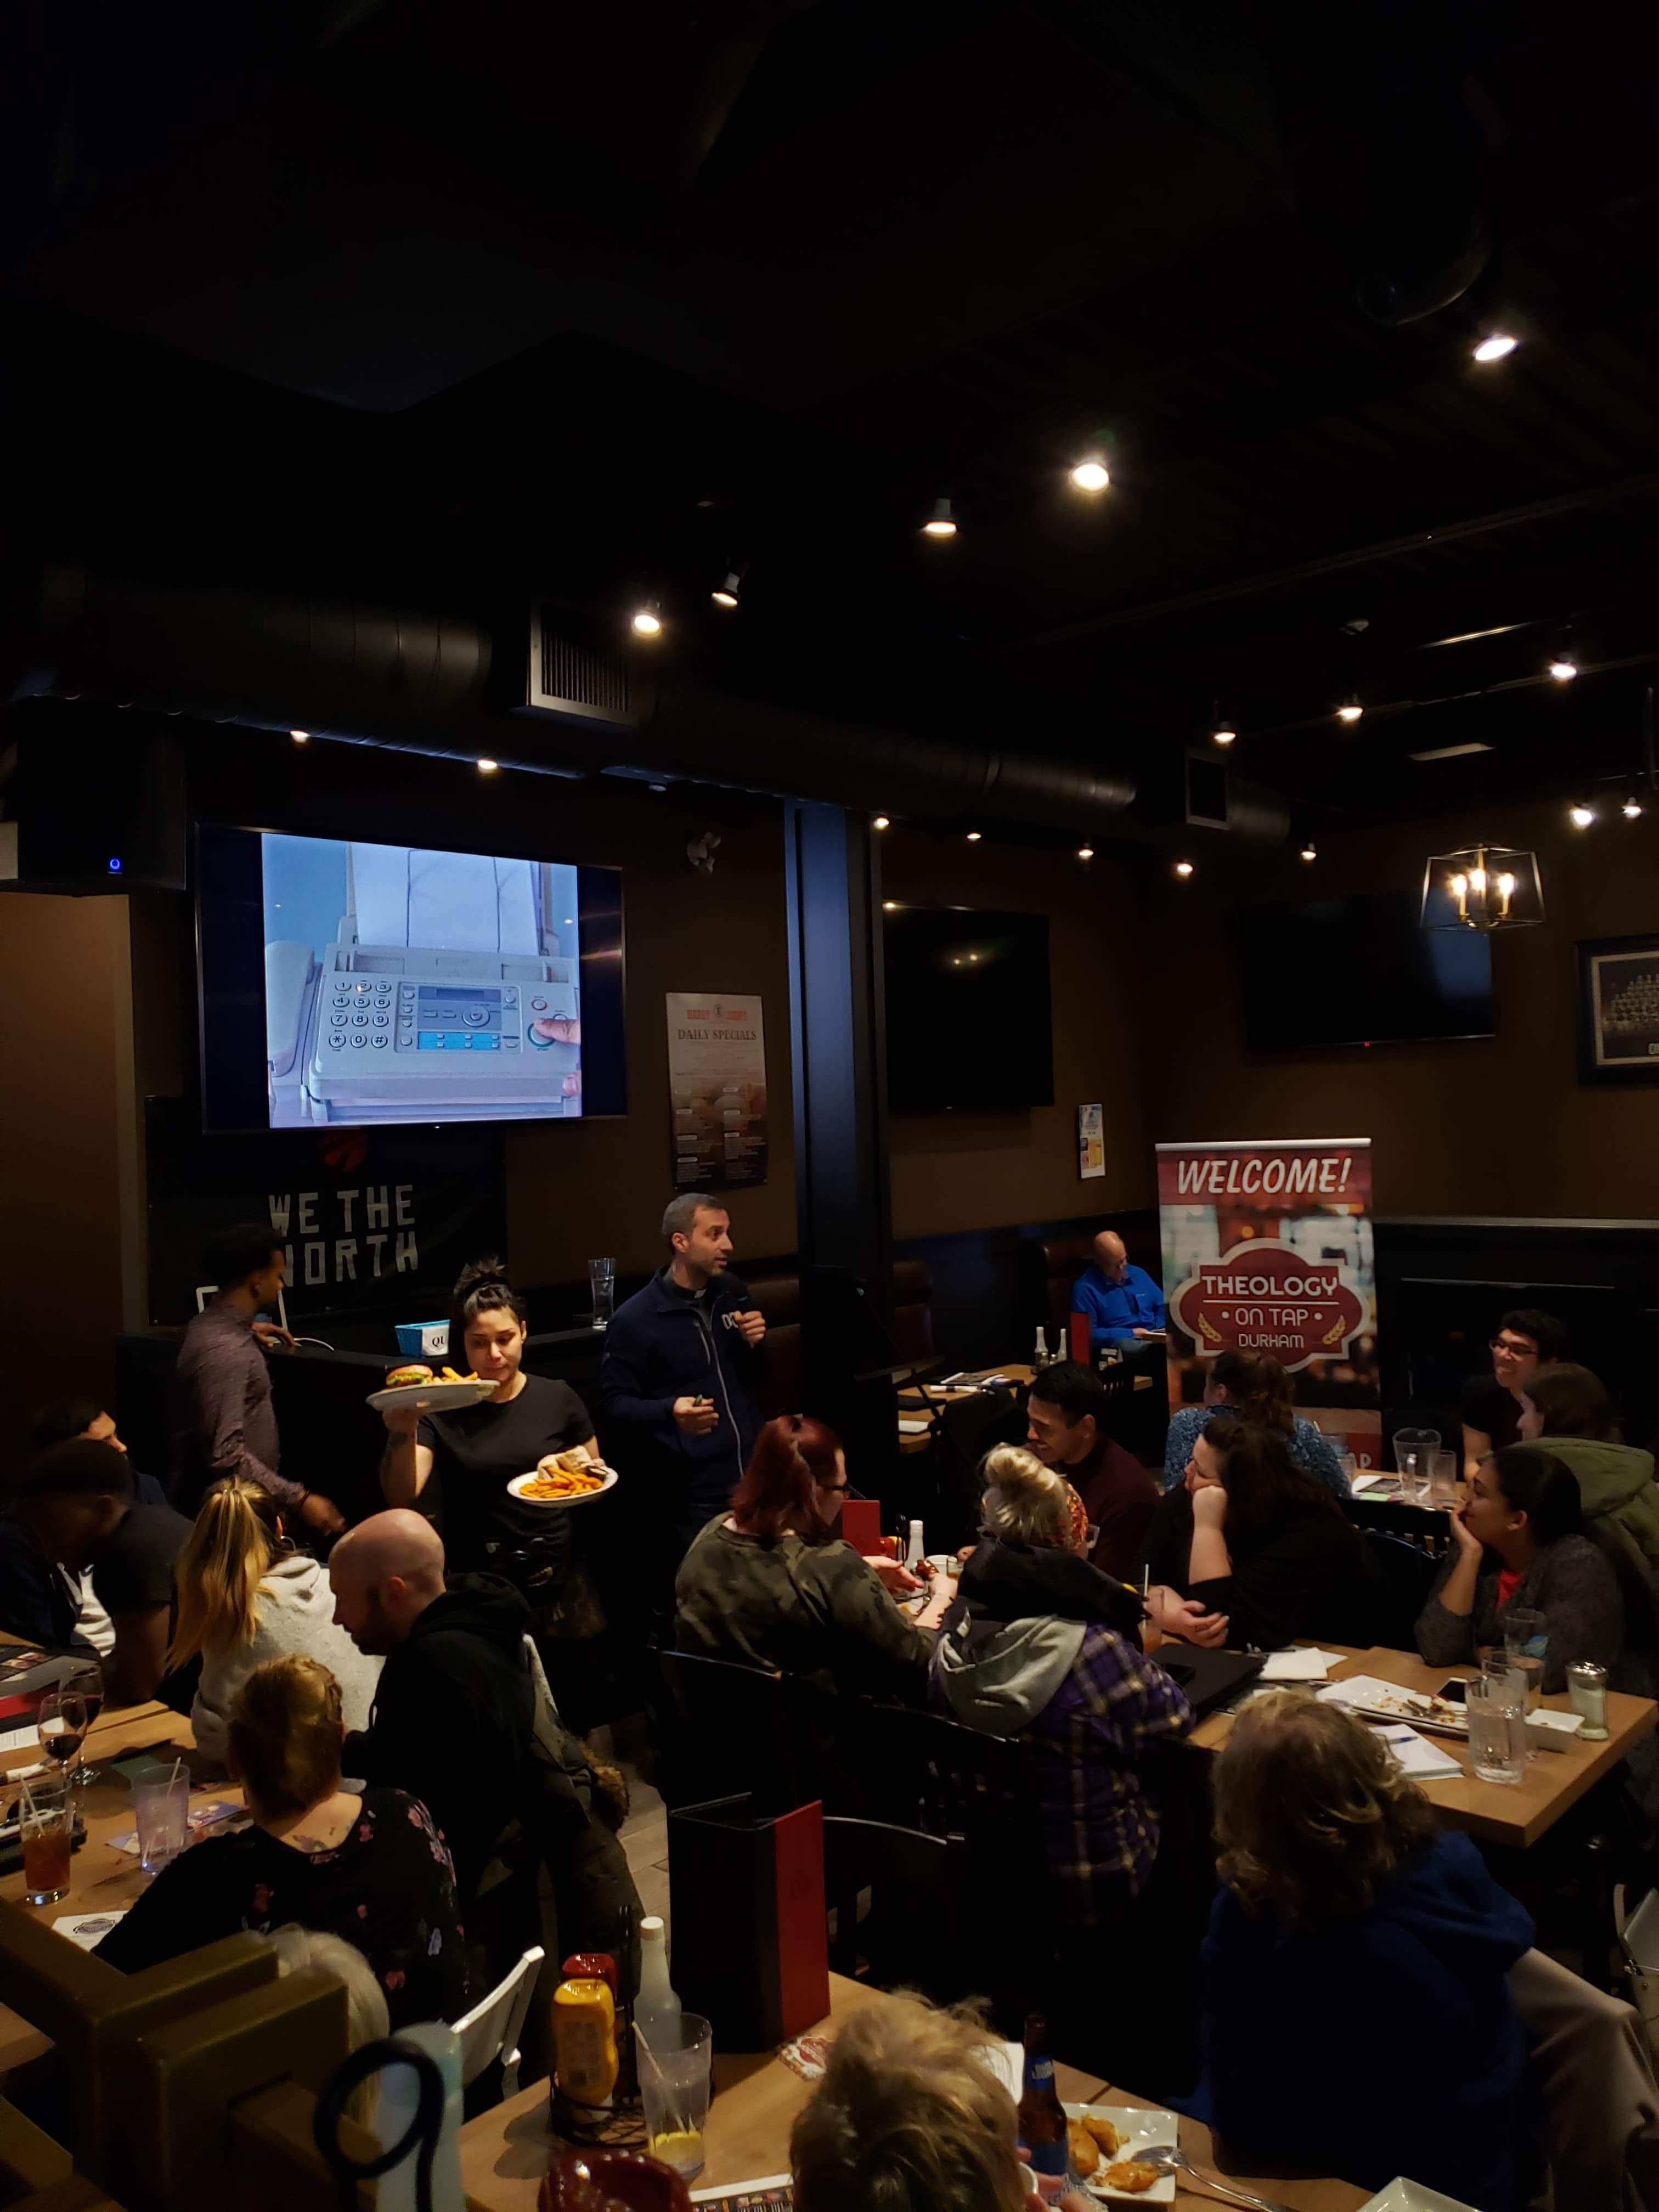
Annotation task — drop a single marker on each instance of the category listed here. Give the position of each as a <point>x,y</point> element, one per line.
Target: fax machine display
<point>406,985</point>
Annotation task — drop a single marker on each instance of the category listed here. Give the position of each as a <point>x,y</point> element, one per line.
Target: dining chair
<point>491,2030</point>
<point>914,1934</point>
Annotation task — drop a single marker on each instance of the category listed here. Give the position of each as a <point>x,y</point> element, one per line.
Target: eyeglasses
<point>1519,1348</point>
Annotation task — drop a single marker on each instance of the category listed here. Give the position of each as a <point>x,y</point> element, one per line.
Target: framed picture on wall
<point>1619,1010</point>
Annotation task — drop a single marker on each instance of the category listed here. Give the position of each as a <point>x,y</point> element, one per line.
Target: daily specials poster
<point>717,1084</point>
<point>1268,1248</point>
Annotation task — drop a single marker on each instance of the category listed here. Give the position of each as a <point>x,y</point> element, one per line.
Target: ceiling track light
<point>1496,345</point>
<point>1351,710</point>
<point>1581,814</point>
<point>1086,852</point>
<point>1224,732</point>
<point>488,767</point>
<point>1183,869</point>
<point>974,836</point>
<point>1632,809</point>
<point>941,523</point>
<point>1563,668</point>
<point>727,594</point>
<point>1309,850</point>
<point>881,821</point>
<point>300,736</point>
<point>646,621</point>
<point>1092,474</point>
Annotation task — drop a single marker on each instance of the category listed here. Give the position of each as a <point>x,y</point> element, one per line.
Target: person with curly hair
<point>1351,1933</point>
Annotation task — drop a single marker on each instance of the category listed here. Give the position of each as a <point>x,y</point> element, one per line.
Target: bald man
<point>453,1713</point>
<point>1123,1303</point>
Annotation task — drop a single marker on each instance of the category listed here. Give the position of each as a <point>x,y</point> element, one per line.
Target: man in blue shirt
<point>1123,1303</point>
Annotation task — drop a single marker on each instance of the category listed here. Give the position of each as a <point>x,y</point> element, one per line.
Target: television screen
<point>1359,970</point>
<point>358,983</point>
<point>968,1022</point>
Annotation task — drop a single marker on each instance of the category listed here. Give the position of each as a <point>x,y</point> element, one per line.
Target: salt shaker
<point>1587,1687</point>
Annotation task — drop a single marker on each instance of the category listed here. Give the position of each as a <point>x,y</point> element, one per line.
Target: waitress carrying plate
<point>434,1397</point>
<point>518,1487</point>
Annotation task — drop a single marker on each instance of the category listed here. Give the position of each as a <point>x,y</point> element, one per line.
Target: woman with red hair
<point>771,1583</point>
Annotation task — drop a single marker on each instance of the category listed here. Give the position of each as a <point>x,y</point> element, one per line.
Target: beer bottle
<point>1041,2115</point>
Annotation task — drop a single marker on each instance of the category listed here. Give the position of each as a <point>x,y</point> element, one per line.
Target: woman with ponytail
<point>371,1867</point>
<point>245,1595</point>
<point>771,1584</point>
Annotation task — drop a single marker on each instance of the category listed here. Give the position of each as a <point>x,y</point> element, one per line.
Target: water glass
<point>674,2085</point>
<point>1526,1646</point>
<point>161,1805</point>
<point>1413,1459</point>
<point>602,1290</point>
<point>45,1820</point>
<point>1442,1480</point>
<point>1498,1725</point>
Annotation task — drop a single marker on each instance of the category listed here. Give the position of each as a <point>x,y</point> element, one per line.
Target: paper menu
<point>1415,1755</point>
<point>772,2192</point>
<point>1371,1692</point>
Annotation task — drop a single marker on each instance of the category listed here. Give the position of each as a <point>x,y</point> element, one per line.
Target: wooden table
<point>101,1879</point>
<point>505,2153</point>
<point>914,1402</point>
<point>1497,1813</point>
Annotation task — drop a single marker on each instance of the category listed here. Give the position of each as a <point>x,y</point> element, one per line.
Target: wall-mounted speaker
<point>92,800</point>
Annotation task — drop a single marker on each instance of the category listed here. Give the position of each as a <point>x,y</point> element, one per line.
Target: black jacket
<point>453,1719</point>
<point>1314,1575</point>
<point>1007,1581</point>
<point>663,1345</point>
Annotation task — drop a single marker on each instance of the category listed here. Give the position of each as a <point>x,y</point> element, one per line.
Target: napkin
<point>1298,1666</point>
<point>1563,1723</point>
<point>86,1929</point>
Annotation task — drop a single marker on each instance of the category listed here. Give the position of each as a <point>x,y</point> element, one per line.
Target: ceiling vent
<point>573,678</point>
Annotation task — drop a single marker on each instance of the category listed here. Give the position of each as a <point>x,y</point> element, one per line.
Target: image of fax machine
<point>405,1029</point>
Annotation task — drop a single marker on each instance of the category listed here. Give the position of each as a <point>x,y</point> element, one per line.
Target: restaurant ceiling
<point>475,296</point>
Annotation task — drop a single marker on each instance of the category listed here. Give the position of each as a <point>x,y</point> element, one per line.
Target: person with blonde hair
<point>1043,1646</point>
<point>246,1595</point>
<point>1352,1929</point>
<point>910,2117</point>
<point>371,1869</point>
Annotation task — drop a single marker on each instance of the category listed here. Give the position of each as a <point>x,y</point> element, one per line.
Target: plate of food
<point>415,1384</point>
<point>564,1478</point>
<point>1107,2148</point>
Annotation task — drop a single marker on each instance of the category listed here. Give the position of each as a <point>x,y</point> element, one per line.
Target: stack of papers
<point>1415,1755</point>
<point>1298,1666</point>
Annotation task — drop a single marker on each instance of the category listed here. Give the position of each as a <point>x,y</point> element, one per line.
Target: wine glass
<point>62,1725</point>
<point>87,1684</point>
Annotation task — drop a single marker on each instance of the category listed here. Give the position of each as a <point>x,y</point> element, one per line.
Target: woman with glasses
<point>1490,1408</point>
<point>770,1582</point>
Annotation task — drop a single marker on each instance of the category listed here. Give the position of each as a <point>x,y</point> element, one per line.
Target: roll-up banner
<point>1268,1248</point>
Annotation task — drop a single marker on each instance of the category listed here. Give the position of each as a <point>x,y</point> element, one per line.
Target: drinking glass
<point>87,1683</point>
<point>674,2085</point>
<point>1526,1644</point>
<point>602,1290</point>
<point>1414,1458</point>
<point>1442,1480</point>
<point>161,1805</point>
<point>45,1821</point>
<point>1496,1715</point>
<point>62,1721</point>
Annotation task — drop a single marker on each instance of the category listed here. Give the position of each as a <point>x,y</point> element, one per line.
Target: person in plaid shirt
<point>1042,1644</point>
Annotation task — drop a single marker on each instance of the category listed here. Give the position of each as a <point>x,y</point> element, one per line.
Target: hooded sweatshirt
<point>1617,1493</point>
<point>453,1719</point>
<point>1043,1646</point>
<point>1305,2029</point>
<point>295,1610</point>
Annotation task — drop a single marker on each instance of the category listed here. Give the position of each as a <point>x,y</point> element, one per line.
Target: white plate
<point>515,1489</point>
<point>1154,2129</point>
<point>432,1397</point>
<point>1403,2196</point>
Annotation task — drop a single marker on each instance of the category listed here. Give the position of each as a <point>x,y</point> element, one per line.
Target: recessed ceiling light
<point>1497,345</point>
<point>1183,869</point>
<point>1563,668</point>
<point>646,621</point>
<point>1349,711</point>
<point>974,836</point>
<point>1581,814</point>
<point>300,736</point>
<point>1452,752</point>
<point>882,822</point>
<point>1091,475</point>
<point>488,767</point>
<point>941,523</point>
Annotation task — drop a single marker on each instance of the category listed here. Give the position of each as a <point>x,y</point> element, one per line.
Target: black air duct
<point>406,678</point>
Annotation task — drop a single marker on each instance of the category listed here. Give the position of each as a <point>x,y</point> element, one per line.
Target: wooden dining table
<point>1497,1813</point>
<point>505,2153</point>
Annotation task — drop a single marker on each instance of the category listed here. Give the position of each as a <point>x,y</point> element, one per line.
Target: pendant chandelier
<point>1484,887</point>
